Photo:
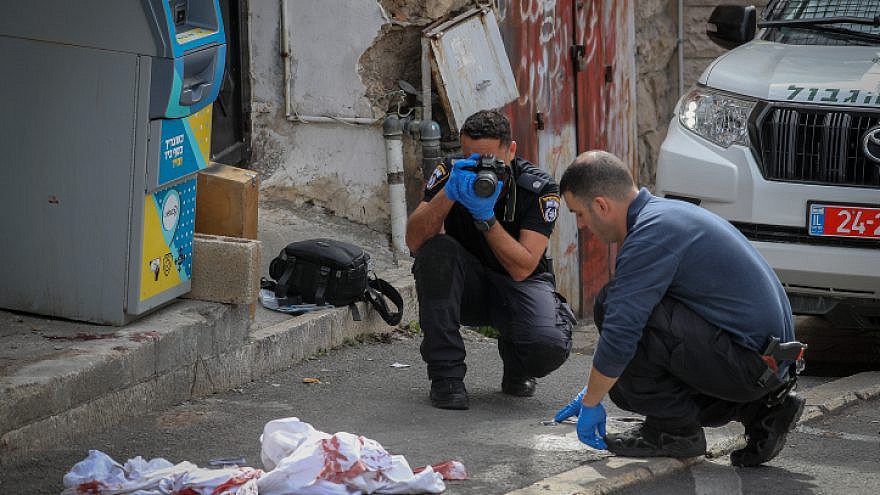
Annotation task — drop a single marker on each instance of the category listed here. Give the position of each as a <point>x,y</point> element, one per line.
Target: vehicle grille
<point>799,235</point>
<point>814,144</point>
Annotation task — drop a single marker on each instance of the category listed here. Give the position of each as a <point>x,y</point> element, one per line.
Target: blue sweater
<point>680,250</point>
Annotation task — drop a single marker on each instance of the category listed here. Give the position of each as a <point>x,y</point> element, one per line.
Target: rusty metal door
<point>538,36</point>
<point>574,64</point>
<point>604,58</point>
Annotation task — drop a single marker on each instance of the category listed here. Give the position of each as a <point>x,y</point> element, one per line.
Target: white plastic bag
<point>99,473</point>
<point>305,461</point>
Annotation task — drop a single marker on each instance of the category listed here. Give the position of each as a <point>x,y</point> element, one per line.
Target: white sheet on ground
<point>307,461</point>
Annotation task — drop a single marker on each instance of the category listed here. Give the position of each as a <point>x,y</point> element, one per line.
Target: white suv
<point>781,137</point>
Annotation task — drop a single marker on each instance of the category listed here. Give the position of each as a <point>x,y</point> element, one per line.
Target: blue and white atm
<point>105,118</point>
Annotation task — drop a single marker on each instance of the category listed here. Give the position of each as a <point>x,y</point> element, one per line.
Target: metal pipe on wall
<point>392,130</point>
<point>426,78</point>
<point>680,48</point>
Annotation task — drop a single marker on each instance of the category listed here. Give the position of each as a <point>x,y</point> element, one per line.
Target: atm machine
<point>105,119</point>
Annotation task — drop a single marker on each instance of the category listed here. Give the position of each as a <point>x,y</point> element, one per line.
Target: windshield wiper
<point>822,24</point>
<point>821,21</point>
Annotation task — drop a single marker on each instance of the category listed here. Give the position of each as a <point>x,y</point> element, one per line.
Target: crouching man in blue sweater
<point>690,325</point>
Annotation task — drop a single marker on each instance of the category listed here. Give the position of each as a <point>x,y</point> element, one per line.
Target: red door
<point>574,63</point>
<point>605,63</point>
<point>538,37</point>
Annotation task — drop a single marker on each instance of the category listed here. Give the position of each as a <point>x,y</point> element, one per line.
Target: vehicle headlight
<point>718,117</point>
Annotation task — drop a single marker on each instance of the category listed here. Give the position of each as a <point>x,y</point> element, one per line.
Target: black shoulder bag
<point>327,271</point>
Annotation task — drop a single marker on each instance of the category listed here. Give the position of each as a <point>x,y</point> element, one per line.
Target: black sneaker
<point>766,434</point>
<point>645,441</point>
<point>518,386</point>
<point>449,393</point>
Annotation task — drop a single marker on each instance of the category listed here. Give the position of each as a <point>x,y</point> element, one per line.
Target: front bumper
<point>729,183</point>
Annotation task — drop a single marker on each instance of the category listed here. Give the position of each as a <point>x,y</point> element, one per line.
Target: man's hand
<point>591,421</point>
<point>458,177</point>
<point>591,426</point>
<point>480,208</point>
<point>572,409</point>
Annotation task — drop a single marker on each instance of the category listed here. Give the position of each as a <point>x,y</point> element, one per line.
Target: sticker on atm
<point>169,225</point>
<point>192,35</point>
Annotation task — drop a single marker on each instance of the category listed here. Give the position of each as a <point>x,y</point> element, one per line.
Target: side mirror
<point>732,25</point>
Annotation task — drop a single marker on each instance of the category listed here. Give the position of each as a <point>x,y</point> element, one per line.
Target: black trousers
<point>454,288</point>
<point>687,372</point>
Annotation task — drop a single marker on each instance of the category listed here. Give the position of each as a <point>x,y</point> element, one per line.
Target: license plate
<point>844,221</point>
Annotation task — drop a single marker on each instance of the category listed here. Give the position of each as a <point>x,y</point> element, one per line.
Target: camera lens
<point>484,185</point>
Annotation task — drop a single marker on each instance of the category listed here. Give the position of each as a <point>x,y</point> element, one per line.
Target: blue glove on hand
<point>455,185</point>
<point>572,409</point>
<point>591,421</point>
<point>480,208</point>
<point>591,426</point>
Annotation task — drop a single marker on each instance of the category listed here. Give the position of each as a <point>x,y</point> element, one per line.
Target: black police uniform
<point>459,281</point>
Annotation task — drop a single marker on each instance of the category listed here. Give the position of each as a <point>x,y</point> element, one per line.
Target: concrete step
<point>70,379</point>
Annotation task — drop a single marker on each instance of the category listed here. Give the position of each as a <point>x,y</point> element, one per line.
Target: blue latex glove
<point>458,177</point>
<point>480,208</point>
<point>572,409</point>
<point>591,426</point>
<point>591,421</point>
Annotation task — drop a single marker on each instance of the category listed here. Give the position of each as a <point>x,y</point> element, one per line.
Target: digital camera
<point>489,171</point>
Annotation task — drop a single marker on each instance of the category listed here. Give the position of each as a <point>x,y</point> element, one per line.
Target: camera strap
<point>510,204</point>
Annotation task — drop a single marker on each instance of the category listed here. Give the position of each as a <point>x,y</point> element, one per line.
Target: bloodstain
<point>90,487</point>
<point>237,481</point>
<point>449,470</point>
<point>333,460</point>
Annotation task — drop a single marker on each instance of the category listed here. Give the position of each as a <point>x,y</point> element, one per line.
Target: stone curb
<point>616,473</point>
<point>191,349</point>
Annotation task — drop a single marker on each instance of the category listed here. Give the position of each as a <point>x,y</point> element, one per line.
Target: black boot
<point>449,393</point>
<point>518,386</point>
<point>767,430</point>
<point>646,441</point>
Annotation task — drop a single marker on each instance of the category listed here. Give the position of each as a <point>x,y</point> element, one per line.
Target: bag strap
<point>376,293</point>
<point>283,281</point>
<point>280,287</point>
<point>321,285</point>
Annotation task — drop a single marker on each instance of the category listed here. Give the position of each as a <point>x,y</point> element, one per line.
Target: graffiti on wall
<point>569,104</point>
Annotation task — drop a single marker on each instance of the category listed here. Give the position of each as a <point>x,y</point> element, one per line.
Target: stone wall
<point>657,84</point>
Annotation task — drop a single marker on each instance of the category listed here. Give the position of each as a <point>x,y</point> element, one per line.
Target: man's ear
<point>601,205</point>
<point>511,151</point>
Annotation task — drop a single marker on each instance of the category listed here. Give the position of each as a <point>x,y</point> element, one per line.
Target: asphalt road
<point>836,455</point>
<point>500,440</point>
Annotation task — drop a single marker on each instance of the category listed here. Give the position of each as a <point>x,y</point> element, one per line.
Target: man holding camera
<point>695,328</point>
<point>489,267</point>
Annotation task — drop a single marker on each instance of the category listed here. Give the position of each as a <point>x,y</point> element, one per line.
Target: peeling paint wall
<point>346,56</point>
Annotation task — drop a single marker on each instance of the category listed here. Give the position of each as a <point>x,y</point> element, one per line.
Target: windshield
<point>826,34</point>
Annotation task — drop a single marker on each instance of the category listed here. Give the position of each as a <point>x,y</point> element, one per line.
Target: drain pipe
<point>392,130</point>
<point>429,135</point>
<point>680,48</point>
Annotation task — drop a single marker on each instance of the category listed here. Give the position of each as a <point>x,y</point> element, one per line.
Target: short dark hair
<point>597,173</point>
<point>488,124</point>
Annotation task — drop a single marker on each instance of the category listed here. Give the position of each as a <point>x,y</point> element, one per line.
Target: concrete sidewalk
<point>61,379</point>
